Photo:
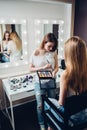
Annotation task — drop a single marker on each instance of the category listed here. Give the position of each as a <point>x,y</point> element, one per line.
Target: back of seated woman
<point>74,78</point>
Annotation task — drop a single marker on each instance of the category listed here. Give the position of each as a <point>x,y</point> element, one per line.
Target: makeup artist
<point>44,58</point>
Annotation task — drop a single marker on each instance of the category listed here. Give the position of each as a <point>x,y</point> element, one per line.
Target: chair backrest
<point>75,103</point>
<point>60,120</point>
<point>63,64</point>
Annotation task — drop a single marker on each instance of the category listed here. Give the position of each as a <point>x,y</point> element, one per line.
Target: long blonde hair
<point>14,36</point>
<point>76,64</point>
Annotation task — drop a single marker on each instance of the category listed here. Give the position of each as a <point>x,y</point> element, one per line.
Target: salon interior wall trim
<point>31,11</point>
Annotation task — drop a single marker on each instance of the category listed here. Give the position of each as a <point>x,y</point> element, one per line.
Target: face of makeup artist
<point>48,46</point>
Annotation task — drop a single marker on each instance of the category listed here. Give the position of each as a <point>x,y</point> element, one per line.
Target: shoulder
<point>63,82</point>
<point>36,52</point>
<point>39,51</point>
<point>63,76</point>
<point>54,53</point>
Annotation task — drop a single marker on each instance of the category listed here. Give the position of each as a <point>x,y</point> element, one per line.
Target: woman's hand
<point>54,74</point>
<point>47,66</point>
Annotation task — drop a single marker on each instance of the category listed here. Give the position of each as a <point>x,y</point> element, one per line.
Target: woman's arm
<point>56,65</point>
<point>63,89</point>
<point>32,68</point>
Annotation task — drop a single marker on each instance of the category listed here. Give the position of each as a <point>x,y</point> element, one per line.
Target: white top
<point>41,60</point>
<point>4,45</point>
<point>15,54</point>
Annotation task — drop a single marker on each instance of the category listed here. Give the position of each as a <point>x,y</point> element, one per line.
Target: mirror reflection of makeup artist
<point>15,47</point>
<point>44,58</point>
<point>4,56</point>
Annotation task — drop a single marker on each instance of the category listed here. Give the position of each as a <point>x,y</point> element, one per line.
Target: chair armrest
<point>48,105</point>
<point>60,119</point>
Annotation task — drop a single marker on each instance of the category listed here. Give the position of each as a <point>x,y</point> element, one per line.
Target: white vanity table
<point>20,87</point>
<point>15,90</point>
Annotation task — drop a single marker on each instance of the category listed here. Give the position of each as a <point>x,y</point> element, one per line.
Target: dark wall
<point>80,23</point>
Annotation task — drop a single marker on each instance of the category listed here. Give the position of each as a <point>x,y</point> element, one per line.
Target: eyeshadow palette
<point>45,74</point>
<point>45,77</point>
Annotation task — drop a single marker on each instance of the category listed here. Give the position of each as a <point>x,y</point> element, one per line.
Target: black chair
<point>59,120</point>
<point>63,64</point>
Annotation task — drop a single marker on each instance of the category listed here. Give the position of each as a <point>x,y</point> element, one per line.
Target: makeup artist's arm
<point>56,64</point>
<point>32,68</point>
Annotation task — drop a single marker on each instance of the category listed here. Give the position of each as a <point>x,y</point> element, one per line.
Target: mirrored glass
<point>19,40</point>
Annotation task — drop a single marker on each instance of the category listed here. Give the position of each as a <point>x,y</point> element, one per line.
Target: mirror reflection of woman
<point>4,56</point>
<point>15,47</point>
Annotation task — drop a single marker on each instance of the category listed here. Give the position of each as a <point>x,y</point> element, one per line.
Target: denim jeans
<point>79,117</point>
<point>5,59</point>
<point>38,92</point>
<point>60,107</point>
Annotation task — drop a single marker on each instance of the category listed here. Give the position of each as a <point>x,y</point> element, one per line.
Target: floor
<point>25,118</point>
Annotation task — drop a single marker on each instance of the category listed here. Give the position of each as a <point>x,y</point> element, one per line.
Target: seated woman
<point>74,78</point>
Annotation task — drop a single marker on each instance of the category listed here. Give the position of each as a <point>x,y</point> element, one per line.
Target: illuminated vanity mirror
<point>53,28</point>
<point>44,26</point>
<point>18,26</point>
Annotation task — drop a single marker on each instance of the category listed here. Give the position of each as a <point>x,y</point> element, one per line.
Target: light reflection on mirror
<point>20,27</point>
<point>53,28</point>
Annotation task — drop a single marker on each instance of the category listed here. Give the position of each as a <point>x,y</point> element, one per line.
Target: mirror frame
<point>24,42</point>
<point>39,33</point>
